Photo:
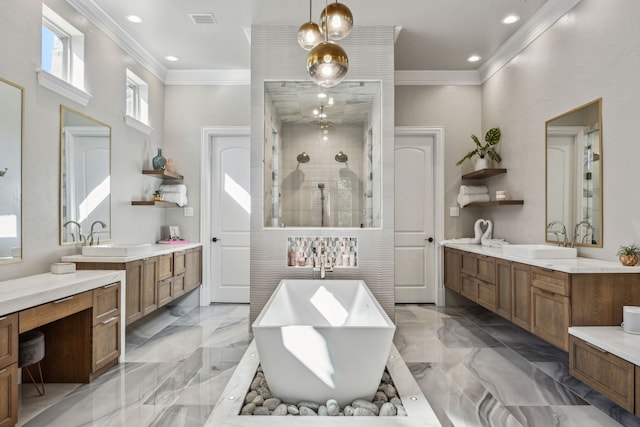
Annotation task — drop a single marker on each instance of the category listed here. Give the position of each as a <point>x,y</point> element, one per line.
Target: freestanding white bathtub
<point>323,339</point>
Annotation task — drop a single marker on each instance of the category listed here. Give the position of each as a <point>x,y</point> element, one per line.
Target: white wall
<point>458,110</point>
<point>20,23</point>
<point>592,52</point>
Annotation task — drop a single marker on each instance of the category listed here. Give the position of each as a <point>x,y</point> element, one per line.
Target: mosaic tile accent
<point>303,251</point>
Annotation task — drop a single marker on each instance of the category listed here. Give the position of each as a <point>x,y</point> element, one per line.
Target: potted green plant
<point>628,254</point>
<point>488,150</point>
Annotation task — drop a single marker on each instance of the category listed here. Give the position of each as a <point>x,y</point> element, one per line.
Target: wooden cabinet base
<point>610,375</point>
<point>9,395</point>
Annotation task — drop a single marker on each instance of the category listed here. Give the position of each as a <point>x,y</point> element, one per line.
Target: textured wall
<point>275,55</point>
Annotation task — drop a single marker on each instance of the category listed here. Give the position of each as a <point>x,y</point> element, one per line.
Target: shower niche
<point>322,155</point>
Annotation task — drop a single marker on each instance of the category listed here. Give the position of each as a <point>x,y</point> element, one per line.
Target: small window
<point>62,54</point>
<point>136,95</point>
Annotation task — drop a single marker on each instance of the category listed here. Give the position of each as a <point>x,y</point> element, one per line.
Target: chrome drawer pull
<point>63,300</point>
<point>596,347</point>
<point>110,286</point>
<point>3,318</point>
<point>110,320</point>
<point>3,371</point>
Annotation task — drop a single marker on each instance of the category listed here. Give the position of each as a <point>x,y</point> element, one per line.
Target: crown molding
<point>103,21</point>
<point>436,77</point>
<point>543,19</point>
<point>208,77</point>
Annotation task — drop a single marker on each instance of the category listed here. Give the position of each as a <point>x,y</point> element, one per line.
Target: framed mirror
<point>322,155</point>
<point>85,178</point>
<point>11,125</point>
<point>574,177</point>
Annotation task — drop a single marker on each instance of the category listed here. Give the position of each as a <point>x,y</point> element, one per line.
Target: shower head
<point>303,157</point>
<point>321,186</point>
<point>341,157</point>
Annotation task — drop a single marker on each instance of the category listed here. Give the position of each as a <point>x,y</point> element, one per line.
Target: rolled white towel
<point>177,198</point>
<point>494,243</point>
<point>473,189</point>
<point>173,188</point>
<point>464,200</point>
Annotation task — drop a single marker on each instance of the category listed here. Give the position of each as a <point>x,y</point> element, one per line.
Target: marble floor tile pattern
<point>475,368</point>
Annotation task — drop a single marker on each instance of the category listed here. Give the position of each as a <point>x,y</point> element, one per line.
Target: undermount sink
<point>539,251</point>
<point>117,249</point>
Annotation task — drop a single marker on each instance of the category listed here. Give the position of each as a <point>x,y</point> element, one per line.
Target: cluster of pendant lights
<point>327,62</point>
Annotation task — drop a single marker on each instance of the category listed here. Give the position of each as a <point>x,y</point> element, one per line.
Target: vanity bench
<point>79,314</point>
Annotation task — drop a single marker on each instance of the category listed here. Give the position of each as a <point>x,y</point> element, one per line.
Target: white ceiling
<point>435,34</point>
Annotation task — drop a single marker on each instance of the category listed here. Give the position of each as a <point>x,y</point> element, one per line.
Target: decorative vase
<point>159,162</point>
<point>482,163</point>
<point>629,260</point>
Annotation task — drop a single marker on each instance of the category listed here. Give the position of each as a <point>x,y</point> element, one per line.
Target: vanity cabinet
<point>8,370</point>
<point>504,294</point>
<point>156,280</point>
<point>452,271</point>
<point>605,372</point>
<point>106,328</point>
<point>543,301</point>
<point>521,291</point>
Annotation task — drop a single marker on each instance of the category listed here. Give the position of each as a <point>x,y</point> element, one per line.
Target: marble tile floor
<point>475,368</point>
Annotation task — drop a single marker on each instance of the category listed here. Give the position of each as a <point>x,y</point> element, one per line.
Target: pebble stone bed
<point>259,401</point>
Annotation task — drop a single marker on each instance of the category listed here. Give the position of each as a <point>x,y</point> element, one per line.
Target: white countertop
<point>156,249</point>
<point>570,265</point>
<point>26,292</point>
<point>612,339</point>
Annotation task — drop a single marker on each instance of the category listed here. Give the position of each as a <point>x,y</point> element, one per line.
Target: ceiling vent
<point>203,18</point>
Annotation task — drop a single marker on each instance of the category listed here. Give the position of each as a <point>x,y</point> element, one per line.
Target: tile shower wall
<point>276,56</point>
<point>303,251</point>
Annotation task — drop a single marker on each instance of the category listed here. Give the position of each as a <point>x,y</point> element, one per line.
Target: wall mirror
<point>11,124</point>
<point>322,149</point>
<point>574,176</point>
<point>85,178</point>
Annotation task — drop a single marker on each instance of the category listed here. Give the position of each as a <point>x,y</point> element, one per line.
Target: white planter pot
<point>481,163</point>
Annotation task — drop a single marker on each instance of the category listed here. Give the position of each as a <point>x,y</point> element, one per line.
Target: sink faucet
<point>557,233</point>
<point>103,225</point>
<point>81,237</point>
<point>575,232</point>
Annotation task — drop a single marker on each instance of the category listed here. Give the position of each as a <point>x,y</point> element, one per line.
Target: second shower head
<point>341,157</point>
<point>303,157</point>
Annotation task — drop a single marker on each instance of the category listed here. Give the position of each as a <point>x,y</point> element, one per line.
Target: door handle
<point>430,240</point>
<point>215,239</point>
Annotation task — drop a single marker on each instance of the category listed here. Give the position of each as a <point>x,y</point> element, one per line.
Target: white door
<point>230,219</point>
<point>415,254</point>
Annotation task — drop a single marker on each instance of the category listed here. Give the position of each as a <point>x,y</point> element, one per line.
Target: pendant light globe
<point>337,19</point>
<point>327,64</point>
<point>309,35</point>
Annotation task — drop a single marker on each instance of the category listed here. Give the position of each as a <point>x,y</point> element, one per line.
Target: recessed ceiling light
<point>474,58</point>
<point>171,58</point>
<point>510,19</point>
<point>134,18</point>
<point>322,95</point>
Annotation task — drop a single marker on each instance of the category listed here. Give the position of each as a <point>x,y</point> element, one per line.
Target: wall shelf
<point>160,203</point>
<point>164,174</point>
<point>484,173</point>
<point>494,203</point>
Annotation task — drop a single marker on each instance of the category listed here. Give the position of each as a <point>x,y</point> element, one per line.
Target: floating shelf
<point>154,203</point>
<point>494,203</point>
<point>483,173</point>
<point>165,174</point>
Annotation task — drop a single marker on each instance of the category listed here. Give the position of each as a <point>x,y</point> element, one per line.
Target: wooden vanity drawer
<point>469,264</point>
<point>487,295</point>
<point>50,312</point>
<point>106,302</point>
<point>9,395</point>
<point>551,280</point>
<point>178,262</point>
<point>605,372</point>
<point>8,340</point>
<point>165,266</point>
<point>106,344</point>
<point>165,291</point>
<point>487,269</point>
<point>178,284</point>
<point>469,287</point>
